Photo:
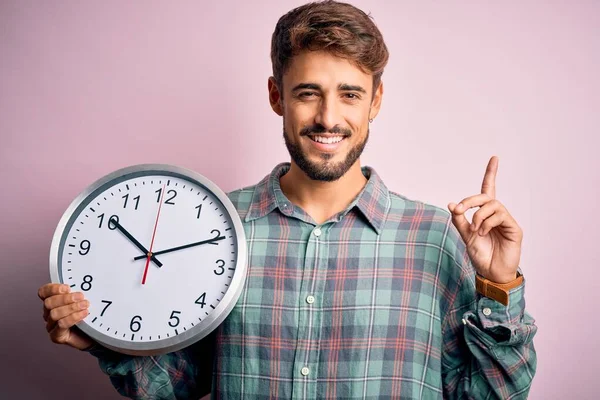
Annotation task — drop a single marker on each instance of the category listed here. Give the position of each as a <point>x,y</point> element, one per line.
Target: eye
<point>351,96</point>
<point>306,95</point>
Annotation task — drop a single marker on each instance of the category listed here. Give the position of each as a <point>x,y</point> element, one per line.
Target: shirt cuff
<point>97,350</point>
<point>499,321</point>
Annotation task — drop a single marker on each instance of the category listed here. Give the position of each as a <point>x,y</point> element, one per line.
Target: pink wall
<point>86,89</point>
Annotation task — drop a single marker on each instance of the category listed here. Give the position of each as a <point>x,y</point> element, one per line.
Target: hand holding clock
<point>62,311</point>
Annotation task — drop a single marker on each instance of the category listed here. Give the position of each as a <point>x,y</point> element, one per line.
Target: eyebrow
<point>342,87</point>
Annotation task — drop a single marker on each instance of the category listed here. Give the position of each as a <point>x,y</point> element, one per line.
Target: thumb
<point>460,221</point>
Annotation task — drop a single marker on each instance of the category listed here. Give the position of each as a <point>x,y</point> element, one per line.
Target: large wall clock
<point>160,253</point>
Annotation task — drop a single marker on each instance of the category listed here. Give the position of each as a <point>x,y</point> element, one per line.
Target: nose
<point>328,114</point>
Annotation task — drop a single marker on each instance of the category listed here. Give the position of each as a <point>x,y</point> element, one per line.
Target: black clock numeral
<point>199,209</point>
<point>174,194</point>
<point>108,303</point>
<point>201,300</point>
<point>136,198</point>
<point>113,219</point>
<point>85,247</point>
<point>175,323</point>
<point>220,267</point>
<point>171,192</point>
<point>87,283</point>
<point>134,325</point>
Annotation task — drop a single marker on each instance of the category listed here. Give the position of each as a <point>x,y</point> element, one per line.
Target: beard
<point>324,170</point>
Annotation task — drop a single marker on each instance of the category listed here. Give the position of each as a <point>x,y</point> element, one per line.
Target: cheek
<point>296,118</point>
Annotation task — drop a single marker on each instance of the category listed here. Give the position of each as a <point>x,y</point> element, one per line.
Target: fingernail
<point>459,206</point>
<point>64,289</point>
<point>84,304</point>
<point>78,296</point>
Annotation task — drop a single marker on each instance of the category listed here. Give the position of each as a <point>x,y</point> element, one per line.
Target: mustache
<point>318,128</point>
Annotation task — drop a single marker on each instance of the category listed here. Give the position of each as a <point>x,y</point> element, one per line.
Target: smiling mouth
<point>329,139</point>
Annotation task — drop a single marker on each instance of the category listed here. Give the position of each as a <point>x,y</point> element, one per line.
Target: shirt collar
<point>373,201</point>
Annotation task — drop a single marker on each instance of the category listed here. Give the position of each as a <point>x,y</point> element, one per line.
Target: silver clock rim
<point>208,324</point>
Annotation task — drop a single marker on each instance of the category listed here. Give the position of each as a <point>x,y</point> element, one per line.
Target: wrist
<point>500,279</point>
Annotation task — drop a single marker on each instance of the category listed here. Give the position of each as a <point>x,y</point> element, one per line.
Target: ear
<point>376,103</point>
<point>275,96</point>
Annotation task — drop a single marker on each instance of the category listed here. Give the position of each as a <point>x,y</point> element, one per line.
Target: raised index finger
<point>489,180</point>
<point>52,289</point>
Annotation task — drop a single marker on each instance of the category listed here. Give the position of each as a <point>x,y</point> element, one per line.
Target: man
<point>353,291</point>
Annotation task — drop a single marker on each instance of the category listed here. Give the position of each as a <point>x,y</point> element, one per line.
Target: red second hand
<point>153,234</point>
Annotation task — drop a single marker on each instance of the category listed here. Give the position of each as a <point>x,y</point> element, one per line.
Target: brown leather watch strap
<point>496,291</point>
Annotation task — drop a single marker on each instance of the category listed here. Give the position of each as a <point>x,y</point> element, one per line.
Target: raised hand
<point>62,310</point>
<point>493,238</point>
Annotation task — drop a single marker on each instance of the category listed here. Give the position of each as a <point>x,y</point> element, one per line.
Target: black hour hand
<point>133,240</point>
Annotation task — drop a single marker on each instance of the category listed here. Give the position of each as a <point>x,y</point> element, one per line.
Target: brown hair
<point>339,28</point>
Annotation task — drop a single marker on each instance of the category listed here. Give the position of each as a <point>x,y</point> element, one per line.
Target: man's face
<point>326,104</point>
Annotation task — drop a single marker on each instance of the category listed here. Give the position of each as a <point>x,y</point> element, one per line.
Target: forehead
<point>325,69</point>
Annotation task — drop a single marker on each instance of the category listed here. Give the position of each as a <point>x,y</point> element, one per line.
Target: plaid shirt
<point>379,301</point>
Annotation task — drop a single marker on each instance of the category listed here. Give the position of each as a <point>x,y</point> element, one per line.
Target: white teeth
<point>327,140</point>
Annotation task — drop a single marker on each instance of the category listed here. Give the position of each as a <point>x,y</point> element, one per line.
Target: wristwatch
<point>496,291</point>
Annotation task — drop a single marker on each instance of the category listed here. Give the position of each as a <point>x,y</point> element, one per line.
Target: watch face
<point>159,252</point>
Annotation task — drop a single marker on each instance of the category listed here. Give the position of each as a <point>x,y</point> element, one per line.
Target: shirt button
<point>305,371</point>
<point>317,232</point>
<point>310,299</point>
<point>487,312</point>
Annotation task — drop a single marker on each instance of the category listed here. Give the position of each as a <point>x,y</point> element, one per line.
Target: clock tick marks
<point>94,320</point>
<point>92,209</point>
<point>127,186</point>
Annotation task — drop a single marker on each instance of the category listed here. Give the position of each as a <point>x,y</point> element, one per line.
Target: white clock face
<point>148,305</point>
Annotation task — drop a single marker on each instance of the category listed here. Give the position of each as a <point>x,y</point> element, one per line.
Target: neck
<point>319,199</point>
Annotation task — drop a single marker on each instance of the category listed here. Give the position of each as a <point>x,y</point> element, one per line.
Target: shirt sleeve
<point>183,374</point>
<point>488,348</point>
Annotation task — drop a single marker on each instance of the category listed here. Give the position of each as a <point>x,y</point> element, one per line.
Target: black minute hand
<point>185,246</point>
<point>134,241</point>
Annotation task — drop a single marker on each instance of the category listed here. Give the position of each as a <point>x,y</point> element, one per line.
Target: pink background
<point>86,89</point>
